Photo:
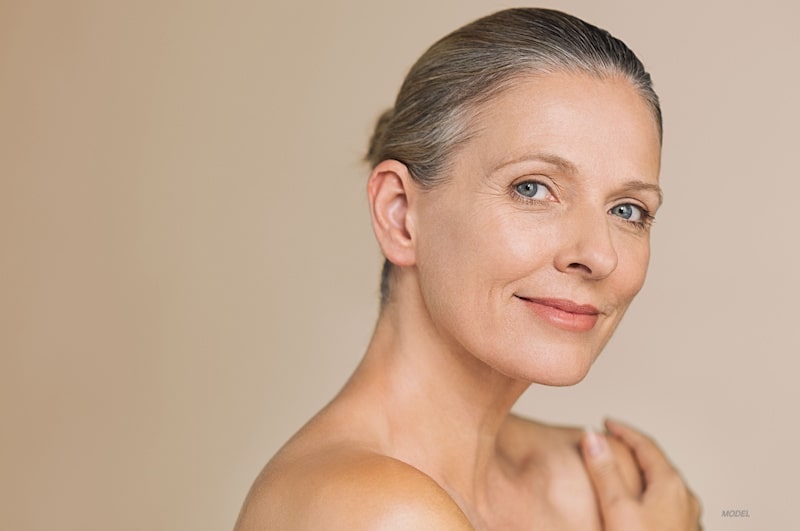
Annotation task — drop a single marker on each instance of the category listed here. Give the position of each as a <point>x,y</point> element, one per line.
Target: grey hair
<point>450,81</point>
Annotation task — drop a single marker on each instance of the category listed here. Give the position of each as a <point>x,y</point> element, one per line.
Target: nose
<point>587,248</point>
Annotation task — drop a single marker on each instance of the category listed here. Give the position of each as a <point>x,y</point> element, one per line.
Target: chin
<point>561,378</point>
<point>558,369</point>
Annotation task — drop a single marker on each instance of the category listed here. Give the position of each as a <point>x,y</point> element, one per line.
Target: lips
<point>564,314</point>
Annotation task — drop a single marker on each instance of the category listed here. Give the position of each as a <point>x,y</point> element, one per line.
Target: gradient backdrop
<point>187,270</point>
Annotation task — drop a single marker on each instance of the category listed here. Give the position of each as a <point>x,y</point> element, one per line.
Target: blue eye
<point>628,212</point>
<point>531,190</point>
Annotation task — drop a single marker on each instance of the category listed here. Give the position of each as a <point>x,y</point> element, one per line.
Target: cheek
<point>485,246</point>
<point>634,257</point>
<point>471,264</point>
<point>519,244</point>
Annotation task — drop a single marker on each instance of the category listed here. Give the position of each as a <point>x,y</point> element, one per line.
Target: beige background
<point>187,272</point>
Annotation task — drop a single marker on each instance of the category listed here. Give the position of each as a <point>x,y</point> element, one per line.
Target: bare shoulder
<point>564,441</point>
<point>347,488</point>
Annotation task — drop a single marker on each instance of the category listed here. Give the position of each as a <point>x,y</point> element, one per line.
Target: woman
<point>512,190</point>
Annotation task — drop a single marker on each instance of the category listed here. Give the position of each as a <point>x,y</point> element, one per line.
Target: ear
<point>390,190</point>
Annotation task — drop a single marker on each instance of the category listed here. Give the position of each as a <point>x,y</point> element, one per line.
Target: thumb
<point>603,471</point>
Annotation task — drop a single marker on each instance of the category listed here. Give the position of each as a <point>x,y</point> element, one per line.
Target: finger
<point>606,478</point>
<point>651,459</point>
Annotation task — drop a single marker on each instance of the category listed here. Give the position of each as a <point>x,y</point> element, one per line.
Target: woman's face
<point>531,251</point>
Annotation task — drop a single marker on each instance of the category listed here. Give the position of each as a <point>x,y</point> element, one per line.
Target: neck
<point>441,409</point>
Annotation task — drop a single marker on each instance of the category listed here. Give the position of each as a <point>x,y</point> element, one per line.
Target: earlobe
<point>390,191</point>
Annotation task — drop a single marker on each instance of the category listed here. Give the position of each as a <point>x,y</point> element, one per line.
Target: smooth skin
<point>549,199</point>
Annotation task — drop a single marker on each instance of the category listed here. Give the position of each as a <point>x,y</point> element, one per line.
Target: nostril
<point>581,267</point>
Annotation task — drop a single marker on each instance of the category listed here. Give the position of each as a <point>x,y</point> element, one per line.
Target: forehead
<point>590,123</point>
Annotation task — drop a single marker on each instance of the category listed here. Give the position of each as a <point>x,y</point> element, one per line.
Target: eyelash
<point>528,200</point>
<point>641,225</point>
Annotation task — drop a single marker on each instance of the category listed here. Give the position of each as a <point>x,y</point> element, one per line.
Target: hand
<point>666,503</point>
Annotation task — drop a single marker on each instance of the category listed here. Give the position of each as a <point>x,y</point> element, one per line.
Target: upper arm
<point>372,492</point>
<point>385,494</point>
<point>390,511</point>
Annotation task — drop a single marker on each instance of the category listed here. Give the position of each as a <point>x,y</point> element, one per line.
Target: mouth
<point>564,314</point>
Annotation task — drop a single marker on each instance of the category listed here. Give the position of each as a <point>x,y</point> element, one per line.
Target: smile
<point>564,314</point>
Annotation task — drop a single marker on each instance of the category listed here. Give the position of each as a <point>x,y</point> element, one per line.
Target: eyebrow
<point>554,160</point>
<point>636,186</point>
<point>569,168</point>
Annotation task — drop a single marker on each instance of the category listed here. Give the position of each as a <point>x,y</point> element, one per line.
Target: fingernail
<point>596,443</point>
